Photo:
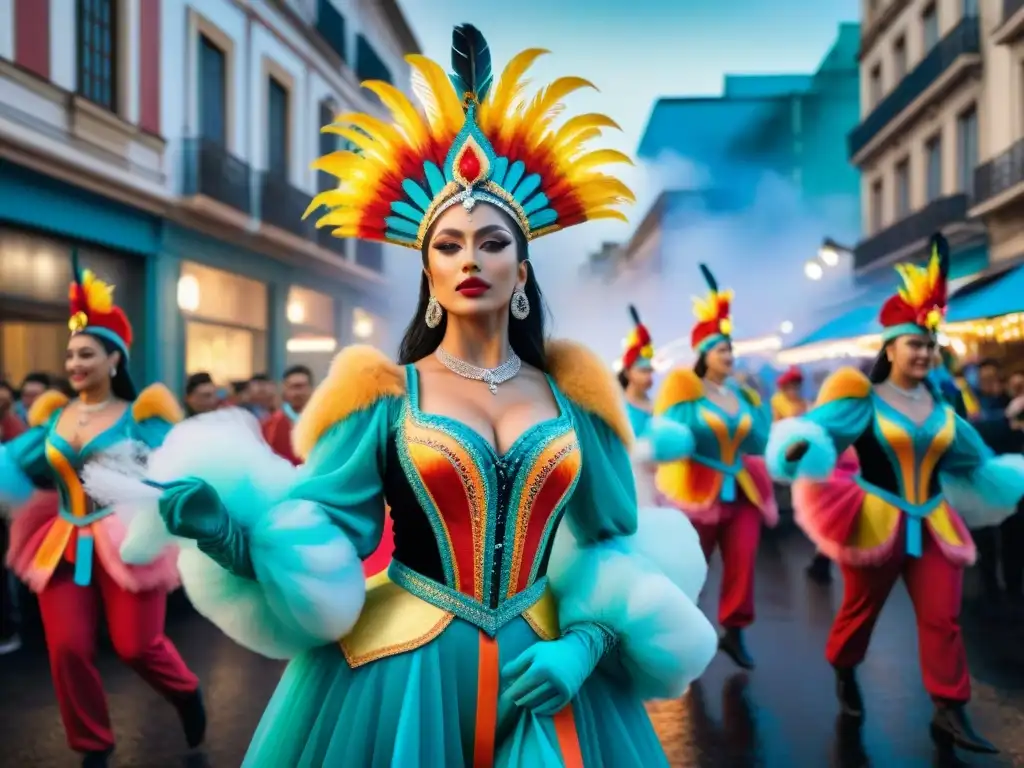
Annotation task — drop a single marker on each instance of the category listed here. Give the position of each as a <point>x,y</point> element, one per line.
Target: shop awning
<point>997,296</point>
<point>859,321</point>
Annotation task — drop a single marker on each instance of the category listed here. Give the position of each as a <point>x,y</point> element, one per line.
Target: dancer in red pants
<point>67,550</point>
<point>707,434</point>
<point>896,518</point>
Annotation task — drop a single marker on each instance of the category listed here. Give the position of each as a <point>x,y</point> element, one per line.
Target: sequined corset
<point>899,458</point>
<point>473,530</point>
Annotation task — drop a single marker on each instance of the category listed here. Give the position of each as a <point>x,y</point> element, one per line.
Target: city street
<point>781,715</point>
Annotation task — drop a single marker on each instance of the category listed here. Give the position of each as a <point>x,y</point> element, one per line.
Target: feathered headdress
<point>639,347</point>
<point>920,304</point>
<point>93,310</point>
<point>478,142</point>
<point>714,322</point>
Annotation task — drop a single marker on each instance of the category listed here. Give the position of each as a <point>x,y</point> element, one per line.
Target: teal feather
<point>76,267</point>
<point>471,62</point>
<point>709,278</point>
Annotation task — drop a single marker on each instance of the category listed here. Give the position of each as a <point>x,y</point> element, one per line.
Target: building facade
<point>924,105</point>
<point>170,142</point>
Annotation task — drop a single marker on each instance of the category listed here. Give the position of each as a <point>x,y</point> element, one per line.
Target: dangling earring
<point>520,304</point>
<point>113,372</point>
<point>434,313</point>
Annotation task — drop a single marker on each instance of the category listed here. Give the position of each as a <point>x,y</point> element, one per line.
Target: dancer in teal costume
<point>636,374</point>
<point>499,636</point>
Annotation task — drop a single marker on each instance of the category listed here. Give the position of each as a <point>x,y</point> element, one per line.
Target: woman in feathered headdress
<point>530,606</point>
<point>636,373</point>
<point>924,472</point>
<point>706,437</point>
<point>68,552</point>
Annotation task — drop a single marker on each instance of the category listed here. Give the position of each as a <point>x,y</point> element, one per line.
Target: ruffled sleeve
<point>23,464</point>
<point>154,412</point>
<point>842,413</point>
<point>635,573</point>
<point>669,436</point>
<point>982,487</point>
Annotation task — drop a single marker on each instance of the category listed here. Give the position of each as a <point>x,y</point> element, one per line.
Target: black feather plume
<point>941,247</point>
<point>76,267</point>
<point>635,315</point>
<point>709,278</point>
<point>471,62</point>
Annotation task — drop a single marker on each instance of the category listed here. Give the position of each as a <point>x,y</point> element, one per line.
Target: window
<point>930,22</point>
<point>903,188</point>
<point>277,128</point>
<point>369,65</point>
<point>328,144</point>
<point>876,206</point>
<point>875,85</point>
<point>967,149</point>
<point>933,165</point>
<point>971,8</point>
<point>212,92</point>
<point>97,52</point>
<point>899,57</point>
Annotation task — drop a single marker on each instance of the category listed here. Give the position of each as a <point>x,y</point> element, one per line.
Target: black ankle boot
<point>952,728</point>
<point>820,570</point>
<point>96,759</point>
<point>851,702</point>
<point>731,642</point>
<point>193,718</point>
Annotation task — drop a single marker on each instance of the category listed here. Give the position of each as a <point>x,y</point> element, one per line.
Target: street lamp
<point>813,270</point>
<point>786,327</point>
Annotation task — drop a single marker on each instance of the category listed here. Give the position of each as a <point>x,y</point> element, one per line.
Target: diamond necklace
<point>86,410</point>
<point>492,377</point>
<point>911,394</point>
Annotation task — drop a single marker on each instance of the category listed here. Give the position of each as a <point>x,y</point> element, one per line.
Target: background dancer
<point>504,461</point>
<point>68,552</point>
<point>637,374</point>
<point>919,462</point>
<point>717,478</point>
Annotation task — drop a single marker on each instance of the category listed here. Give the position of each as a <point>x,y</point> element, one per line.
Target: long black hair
<point>526,336</point>
<point>701,366</point>
<point>881,369</point>
<point>624,378</point>
<point>121,385</point>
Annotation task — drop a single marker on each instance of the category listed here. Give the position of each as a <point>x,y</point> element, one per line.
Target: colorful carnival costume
<point>68,552</point>
<point>783,406</point>
<point>904,514</point>
<point>505,566</point>
<point>710,468</point>
<point>639,354</point>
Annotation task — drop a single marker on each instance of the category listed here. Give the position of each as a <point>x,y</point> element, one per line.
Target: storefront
<point>41,221</point>
<point>225,318</point>
<point>313,321</point>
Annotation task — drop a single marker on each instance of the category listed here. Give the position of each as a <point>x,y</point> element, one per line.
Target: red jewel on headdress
<point>470,166</point>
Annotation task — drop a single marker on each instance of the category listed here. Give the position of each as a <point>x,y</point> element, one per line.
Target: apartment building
<point>169,142</point>
<point>999,179</point>
<point>924,112</point>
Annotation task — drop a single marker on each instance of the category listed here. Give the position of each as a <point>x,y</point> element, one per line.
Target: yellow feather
<point>99,295</point>
<point>605,185</point>
<point>340,217</point>
<point>587,163</point>
<point>577,143</point>
<point>437,96</point>
<point>408,120</point>
<point>576,126</point>
<point>606,213</point>
<point>496,106</point>
<point>375,128</point>
<point>545,105</point>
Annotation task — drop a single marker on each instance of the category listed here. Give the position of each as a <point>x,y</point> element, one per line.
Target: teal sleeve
<point>23,464</point>
<point>828,430</point>
<point>344,476</point>
<point>982,487</point>
<point>603,504</point>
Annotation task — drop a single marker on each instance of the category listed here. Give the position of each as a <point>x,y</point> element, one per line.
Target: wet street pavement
<point>782,715</point>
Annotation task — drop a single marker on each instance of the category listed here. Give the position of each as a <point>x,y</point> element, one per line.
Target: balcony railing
<point>282,205</point>
<point>964,39</point>
<point>331,26</point>
<point>210,170</point>
<point>370,254</point>
<point>999,174</point>
<point>917,227</point>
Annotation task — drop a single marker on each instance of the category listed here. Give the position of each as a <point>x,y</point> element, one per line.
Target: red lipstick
<point>473,287</point>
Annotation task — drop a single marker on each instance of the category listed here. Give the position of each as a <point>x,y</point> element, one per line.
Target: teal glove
<point>192,509</point>
<point>547,675</point>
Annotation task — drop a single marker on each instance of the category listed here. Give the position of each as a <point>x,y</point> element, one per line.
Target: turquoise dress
<point>80,533</point>
<point>494,553</point>
<point>639,419</point>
